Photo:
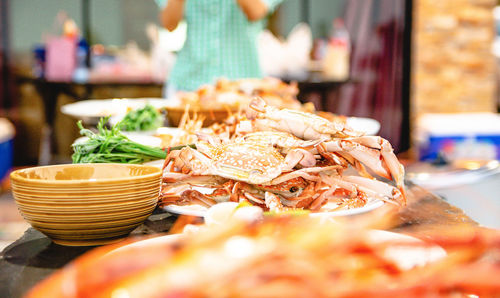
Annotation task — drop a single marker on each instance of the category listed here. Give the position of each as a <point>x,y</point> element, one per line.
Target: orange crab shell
<point>245,161</point>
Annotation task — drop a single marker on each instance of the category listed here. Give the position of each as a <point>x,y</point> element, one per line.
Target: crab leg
<point>273,202</point>
<point>194,195</point>
<point>395,168</point>
<point>299,156</point>
<point>377,188</point>
<point>304,173</point>
<point>253,198</point>
<point>171,177</point>
<point>318,202</point>
<point>368,156</point>
<point>374,152</point>
<point>306,126</point>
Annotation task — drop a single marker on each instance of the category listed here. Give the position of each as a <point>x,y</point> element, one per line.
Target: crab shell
<point>249,162</point>
<point>281,139</point>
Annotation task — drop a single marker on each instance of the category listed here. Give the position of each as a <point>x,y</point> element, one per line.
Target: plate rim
<point>375,204</point>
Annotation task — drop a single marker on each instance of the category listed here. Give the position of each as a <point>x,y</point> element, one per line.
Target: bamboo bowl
<point>86,204</point>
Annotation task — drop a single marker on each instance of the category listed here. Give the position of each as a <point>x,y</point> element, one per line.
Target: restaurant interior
<point>369,132</point>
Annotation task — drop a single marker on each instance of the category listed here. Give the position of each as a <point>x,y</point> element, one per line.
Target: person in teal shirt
<point>221,40</point>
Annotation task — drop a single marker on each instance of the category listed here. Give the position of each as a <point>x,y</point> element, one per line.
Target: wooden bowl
<point>86,204</point>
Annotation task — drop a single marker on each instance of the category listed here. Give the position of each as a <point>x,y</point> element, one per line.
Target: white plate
<point>89,111</point>
<point>155,163</point>
<point>200,211</point>
<point>192,210</point>
<point>367,125</point>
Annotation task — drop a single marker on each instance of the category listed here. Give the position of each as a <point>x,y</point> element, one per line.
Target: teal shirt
<point>220,42</point>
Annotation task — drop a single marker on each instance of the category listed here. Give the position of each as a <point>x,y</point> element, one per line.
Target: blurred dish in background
<point>217,102</point>
<point>276,54</point>
<point>90,111</point>
<point>367,125</point>
<point>460,172</point>
<point>145,119</point>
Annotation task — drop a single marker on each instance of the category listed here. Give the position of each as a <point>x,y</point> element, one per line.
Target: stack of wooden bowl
<point>86,204</point>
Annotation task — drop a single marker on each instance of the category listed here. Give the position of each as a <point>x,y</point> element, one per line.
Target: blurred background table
<point>50,91</point>
<point>313,87</point>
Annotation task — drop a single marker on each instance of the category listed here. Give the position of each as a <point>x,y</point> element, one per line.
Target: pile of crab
<point>281,159</point>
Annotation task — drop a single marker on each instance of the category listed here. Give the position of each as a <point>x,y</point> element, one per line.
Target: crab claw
<point>258,104</point>
<point>394,168</point>
<point>273,202</point>
<point>378,188</point>
<point>212,140</point>
<point>374,152</point>
<point>299,156</point>
<point>187,160</point>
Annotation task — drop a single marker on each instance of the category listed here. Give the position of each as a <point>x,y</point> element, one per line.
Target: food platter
<point>277,155</point>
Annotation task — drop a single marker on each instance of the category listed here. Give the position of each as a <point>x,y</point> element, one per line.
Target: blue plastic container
<point>6,147</point>
<point>458,136</point>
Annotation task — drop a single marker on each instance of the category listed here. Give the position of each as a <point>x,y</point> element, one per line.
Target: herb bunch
<point>111,146</point>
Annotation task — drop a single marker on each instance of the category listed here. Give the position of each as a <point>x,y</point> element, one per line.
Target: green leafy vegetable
<point>147,118</point>
<point>110,145</point>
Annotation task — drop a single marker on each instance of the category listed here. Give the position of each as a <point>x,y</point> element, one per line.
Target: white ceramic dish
<point>367,125</point>
<point>155,163</point>
<point>89,111</point>
<point>200,211</point>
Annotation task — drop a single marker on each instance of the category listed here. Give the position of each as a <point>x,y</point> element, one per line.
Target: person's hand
<point>253,9</point>
<point>172,14</point>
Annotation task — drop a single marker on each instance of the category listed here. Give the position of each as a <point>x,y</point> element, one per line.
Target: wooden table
<point>33,257</point>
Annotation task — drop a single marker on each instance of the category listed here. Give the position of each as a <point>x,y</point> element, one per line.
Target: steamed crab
<point>249,162</point>
<point>256,173</point>
<point>306,126</point>
<point>251,171</point>
<point>335,142</point>
<point>279,159</point>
